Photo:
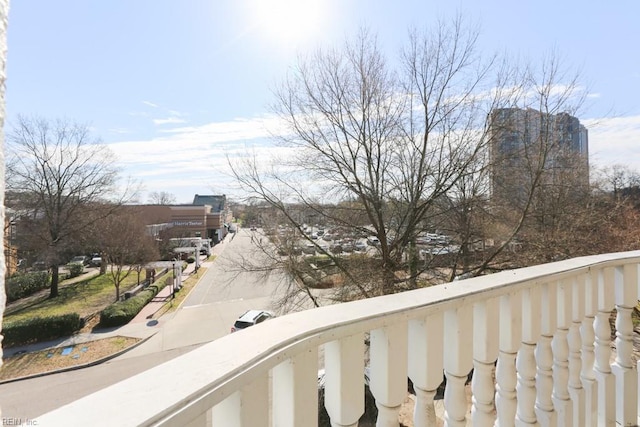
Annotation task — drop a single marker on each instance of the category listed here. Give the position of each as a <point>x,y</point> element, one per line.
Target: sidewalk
<point>162,298</point>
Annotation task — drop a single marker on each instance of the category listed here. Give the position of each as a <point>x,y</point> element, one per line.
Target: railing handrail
<point>174,392</point>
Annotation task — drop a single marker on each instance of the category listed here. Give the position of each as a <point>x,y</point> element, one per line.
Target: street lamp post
<point>173,282</point>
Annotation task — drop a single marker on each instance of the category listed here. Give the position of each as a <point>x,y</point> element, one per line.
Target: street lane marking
<point>214,303</point>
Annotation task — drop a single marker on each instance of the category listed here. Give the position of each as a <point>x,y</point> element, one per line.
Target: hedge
<point>23,285</point>
<point>122,312</point>
<point>37,329</point>
<point>75,269</point>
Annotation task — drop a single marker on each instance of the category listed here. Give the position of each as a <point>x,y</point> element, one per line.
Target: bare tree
<point>394,153</point>
<point>568,220</point>
<point>617,178</point>
<point>125,245</point>
<point>161,198</point>
<point>62,178</point>
<point>393,141</point>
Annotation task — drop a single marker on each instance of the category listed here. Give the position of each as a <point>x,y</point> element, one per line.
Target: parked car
<point>39,265</point>
<point>348,246</point>
<point>79,259</point>
<point>96,261</point>
<point>309,248</point>
<point>289,250</point>
<point>250,318</point>
<point>361,245</point>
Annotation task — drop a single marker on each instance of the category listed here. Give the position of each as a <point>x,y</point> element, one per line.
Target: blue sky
<point>174,85</point>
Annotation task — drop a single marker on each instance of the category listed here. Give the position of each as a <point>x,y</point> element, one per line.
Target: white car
<point>250,318</point>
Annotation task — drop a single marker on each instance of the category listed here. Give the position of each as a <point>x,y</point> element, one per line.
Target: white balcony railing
<point>538,340</point>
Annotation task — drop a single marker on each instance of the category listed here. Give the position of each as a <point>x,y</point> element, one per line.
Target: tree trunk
<point>55,279</point>
<point>413,265</point>
<point>389,280</point>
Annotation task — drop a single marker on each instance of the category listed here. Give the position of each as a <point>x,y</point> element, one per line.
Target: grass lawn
<point>53,359</point>
<point>84,297</point>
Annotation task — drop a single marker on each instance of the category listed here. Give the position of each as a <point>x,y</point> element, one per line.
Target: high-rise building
<point>528,146</point>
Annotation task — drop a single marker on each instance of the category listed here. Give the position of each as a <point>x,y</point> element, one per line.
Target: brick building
<point>208,217</point>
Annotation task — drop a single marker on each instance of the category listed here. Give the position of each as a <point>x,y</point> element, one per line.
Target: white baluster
<point>606,382</point>
<point>626,288</point>
<point>485,353</point>
<point>560,346</point>
<point>295,390</point>
<point>506,379</point>
<point>526,360</point>
<point>246,407</point>
<point>576,392</point>
<point>588,337</point>
<point>544,356</point>
<point>458,362</point>
<point>204,420</point>
<point>425,366</point>
<point>388,375</point>
<point>455,400</point>
<point>344,378</point>
<point>227,412</point>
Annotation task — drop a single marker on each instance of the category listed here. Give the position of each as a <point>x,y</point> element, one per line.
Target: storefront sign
<point>187,223</point>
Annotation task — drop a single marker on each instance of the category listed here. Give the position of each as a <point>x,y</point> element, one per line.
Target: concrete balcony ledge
<point>536,339</point>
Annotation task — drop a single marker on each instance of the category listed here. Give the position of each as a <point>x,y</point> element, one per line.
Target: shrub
<point>121,312</point>
<point>23,285</point>
<point>75,269</point>
<point>36,329</point>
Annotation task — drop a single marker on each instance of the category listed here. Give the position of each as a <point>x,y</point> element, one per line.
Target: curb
<point>179,306</point>
<point>81,366</point>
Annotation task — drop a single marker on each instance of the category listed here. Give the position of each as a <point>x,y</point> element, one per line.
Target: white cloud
<point>169,120</point>
<point>139,114</point>
<point>614,140</point>
<point>239,129</point>
<point>119,130</point>
<point>193,159</point>
<point>150,104</point>
<point>175,117</point>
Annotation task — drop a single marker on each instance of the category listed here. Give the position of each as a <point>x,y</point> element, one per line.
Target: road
<point>230,281</point>
<point>222,294</point>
